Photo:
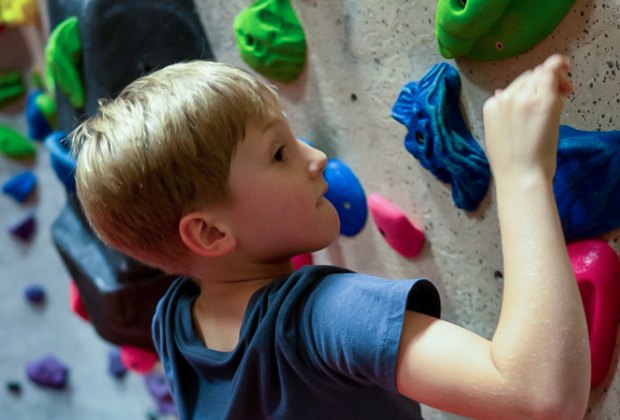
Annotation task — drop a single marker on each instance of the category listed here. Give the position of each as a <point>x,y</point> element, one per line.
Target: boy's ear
<point>203,236</point>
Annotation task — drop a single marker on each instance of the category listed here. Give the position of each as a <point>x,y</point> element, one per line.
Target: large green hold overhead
<point>271,40</point>
<point>495,29</point>
<point>63,53</point>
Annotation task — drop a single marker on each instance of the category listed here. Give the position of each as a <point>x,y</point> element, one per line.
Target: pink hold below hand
<point>398,231</point>
<point>597,270</point>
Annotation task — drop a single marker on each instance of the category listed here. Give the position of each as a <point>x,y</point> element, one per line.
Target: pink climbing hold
<point>301,260</point>
<point>75,302</point>
<point>396,228</point>
<point>597,270</point>
<point>137,359</point>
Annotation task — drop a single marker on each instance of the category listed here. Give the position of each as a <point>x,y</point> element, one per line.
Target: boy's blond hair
<point>162,149</point>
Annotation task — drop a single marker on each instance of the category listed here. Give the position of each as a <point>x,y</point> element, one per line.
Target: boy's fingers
<point>557,62</point>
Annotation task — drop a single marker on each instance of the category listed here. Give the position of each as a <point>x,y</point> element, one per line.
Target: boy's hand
<point>522,121</point>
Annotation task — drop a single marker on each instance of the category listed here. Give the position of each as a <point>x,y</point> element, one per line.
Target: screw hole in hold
<point>463,3</point>
<point>249,40</point>
<point>499,46</point>
<point>419,137</point>
<point>346,205</point>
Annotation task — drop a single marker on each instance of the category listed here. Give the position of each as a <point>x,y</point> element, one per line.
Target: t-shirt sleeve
<point>351,325</point>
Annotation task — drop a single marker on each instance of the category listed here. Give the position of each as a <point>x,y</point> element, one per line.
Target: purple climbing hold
<point>20,186</point>
<point>157,385</point>
<point>48,372</point>
<point>35,294</point>
<point>24,229</point>
<point>116,367</point>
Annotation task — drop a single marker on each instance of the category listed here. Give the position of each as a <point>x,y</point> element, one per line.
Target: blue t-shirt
<point>319,344</point>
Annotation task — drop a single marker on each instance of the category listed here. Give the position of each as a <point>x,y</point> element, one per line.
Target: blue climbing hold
<point>438,137</point>
<point>24,229</point>
<point>587,182</point>
<point>40,113</point>
<point>20,186</point>
<point>157,385</point>
<point>62,161</point>
<point>48,372</point>
<point>35,294</point>
<point>347,196</point>
<point>116,367</point>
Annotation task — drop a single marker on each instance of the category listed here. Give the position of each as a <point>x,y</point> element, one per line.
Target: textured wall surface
<point>360,54</point>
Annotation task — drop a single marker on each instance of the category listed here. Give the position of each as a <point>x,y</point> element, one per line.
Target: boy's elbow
<point>556,406</point>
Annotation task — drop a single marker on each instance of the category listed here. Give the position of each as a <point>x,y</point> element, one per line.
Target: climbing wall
<point>360,54</point>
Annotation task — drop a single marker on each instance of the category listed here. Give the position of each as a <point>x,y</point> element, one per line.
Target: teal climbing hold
<point>14,144</point>
<point>495,29</point>
<point>271,39</point>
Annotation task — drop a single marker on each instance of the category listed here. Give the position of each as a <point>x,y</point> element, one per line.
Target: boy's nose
<point>318,161</point>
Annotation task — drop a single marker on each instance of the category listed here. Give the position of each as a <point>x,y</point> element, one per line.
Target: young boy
<point>194,169</point>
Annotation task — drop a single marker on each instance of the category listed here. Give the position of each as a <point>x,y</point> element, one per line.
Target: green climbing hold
<point>14,144</point>
<point>495,29</point>
<point>11,87</point>
<point>271,40</point>
<point>62,55</point>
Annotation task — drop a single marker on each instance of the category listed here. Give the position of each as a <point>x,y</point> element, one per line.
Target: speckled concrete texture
<point>360,54</point>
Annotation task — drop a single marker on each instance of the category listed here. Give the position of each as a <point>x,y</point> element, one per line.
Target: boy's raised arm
<point>538,363</point>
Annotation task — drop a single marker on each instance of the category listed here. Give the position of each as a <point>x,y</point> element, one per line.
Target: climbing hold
<point>158,387</point>
<point>75,302</point>
<point>35,294</point>
<point>14,387</point>
<point>40,114</point>
<point>14,144</point>
<point>24,229</point>
<point>62,161</point>
<point>11,87</point>
<point>19,12</point>
<point>48,372</point>
<point>597,270</point>
<point>587,182</point>
<point>137,359</point>
<point>495,29</point>
<point>347,196</point>
<point>116,367</point>
<point>395,227</point>
<point>20,186</point>
<point>62,56</point>
<point>438,137</point>
<point>301,260</point>
<point>271,39</point>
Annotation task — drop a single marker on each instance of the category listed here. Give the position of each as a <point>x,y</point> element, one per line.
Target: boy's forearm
<point>542,314</point>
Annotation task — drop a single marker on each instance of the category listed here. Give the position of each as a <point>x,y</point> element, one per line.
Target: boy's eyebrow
<point>271,123</point>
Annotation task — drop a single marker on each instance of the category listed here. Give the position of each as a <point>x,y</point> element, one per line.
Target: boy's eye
<point>279,155</point>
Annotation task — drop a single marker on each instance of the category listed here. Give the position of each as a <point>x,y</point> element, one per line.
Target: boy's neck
<point>219,310</point>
